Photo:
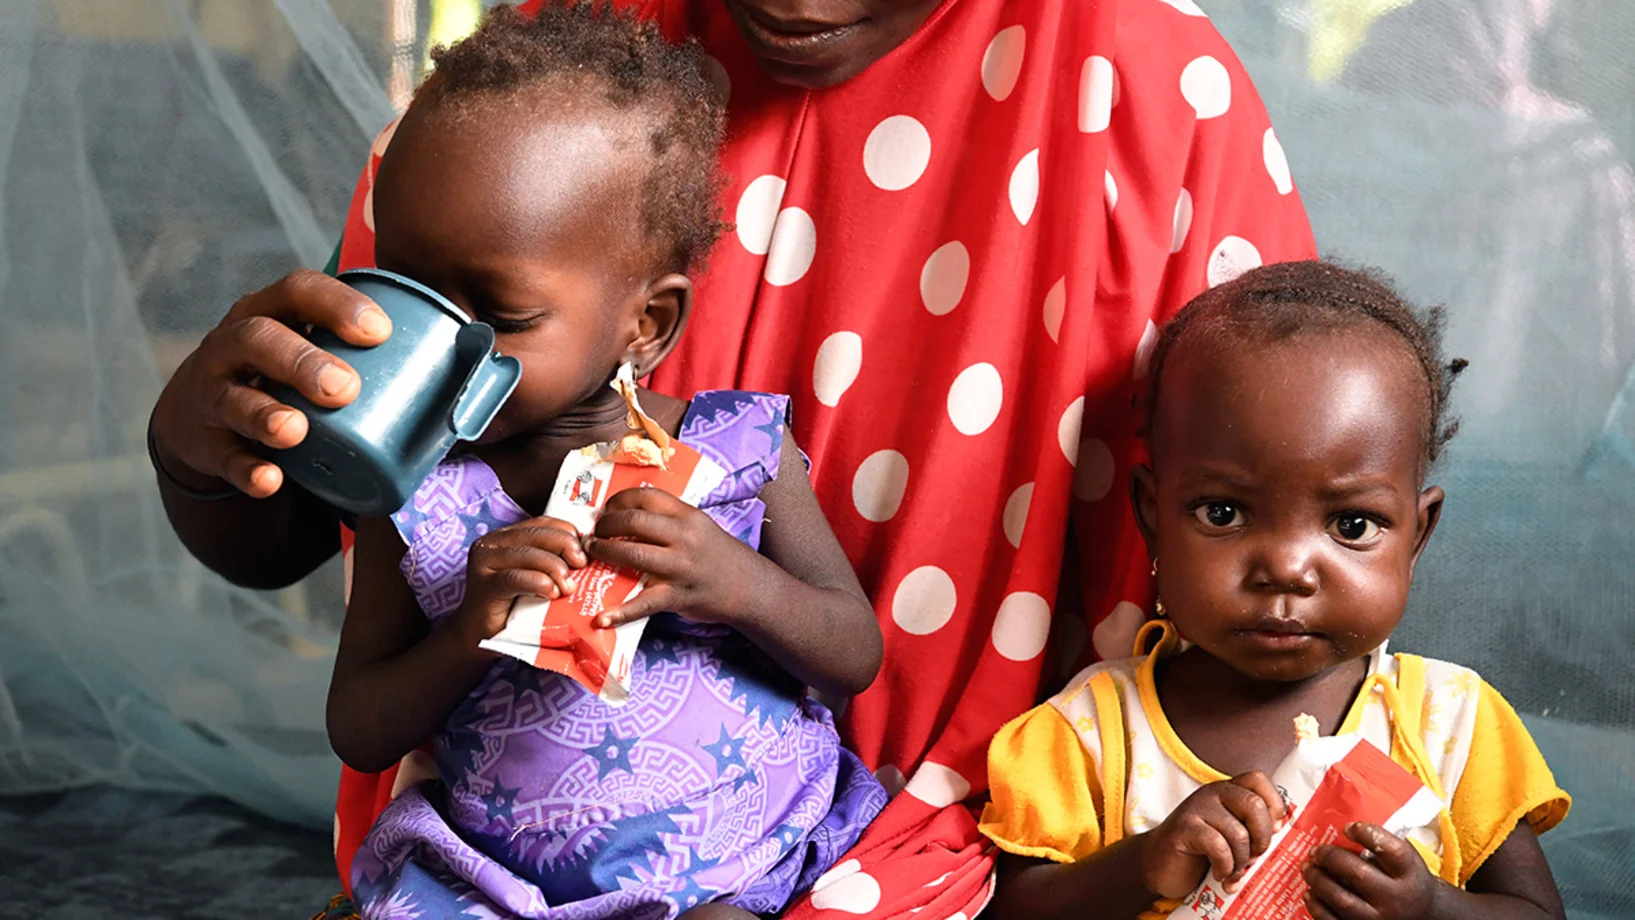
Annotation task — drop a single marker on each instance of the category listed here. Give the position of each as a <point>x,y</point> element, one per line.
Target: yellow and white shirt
<point>1051,769</point>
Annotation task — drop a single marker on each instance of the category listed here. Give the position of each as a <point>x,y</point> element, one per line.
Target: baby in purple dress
<point>555,179</point>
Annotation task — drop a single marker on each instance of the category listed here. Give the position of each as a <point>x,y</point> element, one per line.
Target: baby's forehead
<point>1282,387</point>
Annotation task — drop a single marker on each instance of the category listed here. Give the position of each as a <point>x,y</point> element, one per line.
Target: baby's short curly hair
<point>1277,302</point>
<point>640,70</point>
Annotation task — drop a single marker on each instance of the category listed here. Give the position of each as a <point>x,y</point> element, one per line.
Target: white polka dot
<point>938,880</point>
<point>877,488</point>
<point>369,208</point>
<point>794,245</point>
<point>758,212</point>
<point>1071,638</point>
<point>1093,478</point>
<point>938,786</point>
<point>1022,626</point>
<point>840,871</point>
<point>1143,351</point>
<point>1232,257</point>
<point>1115,636</point>
<point>1055,308</point>
<point>1277,164</point>
<point>384,138</point>
<point>1002,62</point>
<point>857,893</point>
<point>1110,186</point>
<point>891,778</point>
<point>1067,430</point>
<point>975,398</point>
<point>924,601</point>
<point>1207,87</point>
<point>957,915</point>
<point>1024,190</point>
<point>943,279</point>
<point>896,153</point>
<point>839,359</point>
<point>1015,518</point>
<point>337,836</point>
<point>718,76</point>
<point>1095,94</point>
<point>1186,6</point>
<point>1183,221</point>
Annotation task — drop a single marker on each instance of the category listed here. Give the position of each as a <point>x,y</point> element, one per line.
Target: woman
<point>958,224</point>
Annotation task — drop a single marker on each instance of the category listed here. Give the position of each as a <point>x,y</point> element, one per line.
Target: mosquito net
<point>161,157</point>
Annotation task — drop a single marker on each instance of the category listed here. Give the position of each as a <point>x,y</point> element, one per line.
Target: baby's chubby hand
<point>693,567</point>
<point>1223,827</point>
<point>535,558</point>
<point>1394,885</point>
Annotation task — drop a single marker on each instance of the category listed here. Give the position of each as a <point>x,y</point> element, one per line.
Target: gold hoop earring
<point>1158,602</point>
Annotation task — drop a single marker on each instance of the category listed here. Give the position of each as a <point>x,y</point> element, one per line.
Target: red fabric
<point>940,395</point>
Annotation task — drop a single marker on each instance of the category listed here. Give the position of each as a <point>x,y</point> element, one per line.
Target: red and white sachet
<point>1328,784</point>
<point>560,634</point>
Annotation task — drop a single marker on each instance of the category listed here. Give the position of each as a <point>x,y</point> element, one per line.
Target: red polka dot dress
<point>956,264</point>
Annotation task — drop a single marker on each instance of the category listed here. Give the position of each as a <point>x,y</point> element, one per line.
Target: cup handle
<point>488,384</point>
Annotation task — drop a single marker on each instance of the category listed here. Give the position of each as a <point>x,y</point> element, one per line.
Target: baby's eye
<point>508,326</point>
<point>1219,514</point>
<point>1355,528</point>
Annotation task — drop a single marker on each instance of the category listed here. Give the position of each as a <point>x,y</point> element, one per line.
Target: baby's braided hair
<point>636,68</point>
<point>1276,302</point>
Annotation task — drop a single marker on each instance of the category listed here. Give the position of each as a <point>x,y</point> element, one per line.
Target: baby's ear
<point>669,301</point>
<point>1430,513</point>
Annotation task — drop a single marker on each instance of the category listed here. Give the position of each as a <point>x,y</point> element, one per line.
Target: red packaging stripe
<point>1365,785</point>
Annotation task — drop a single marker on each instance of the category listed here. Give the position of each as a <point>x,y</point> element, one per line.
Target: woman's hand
<point>536,558</point>
<point>693,567</point>
<point>1394,885</point>
<point>1224,826</point>
<point>210,416</point>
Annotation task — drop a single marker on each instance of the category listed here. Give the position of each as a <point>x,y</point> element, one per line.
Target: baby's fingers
<point>549,572</point>
<point>1332,898</point>
<point>654,599</point>
<point>553,536</point>
<point>1246,801</point>
<point>1396,857</point>
<point>1218,837</point>
<point>1261,785</point>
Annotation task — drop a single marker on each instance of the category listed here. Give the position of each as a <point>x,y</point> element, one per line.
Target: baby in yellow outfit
<point>1293,416</point>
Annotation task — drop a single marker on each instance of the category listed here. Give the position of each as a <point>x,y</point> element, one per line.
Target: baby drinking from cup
<point>555,178</point>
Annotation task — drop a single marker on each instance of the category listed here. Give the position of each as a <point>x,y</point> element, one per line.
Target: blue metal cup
<point>435,382</point>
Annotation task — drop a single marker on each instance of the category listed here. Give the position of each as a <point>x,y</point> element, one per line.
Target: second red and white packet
<point>1329,784</point>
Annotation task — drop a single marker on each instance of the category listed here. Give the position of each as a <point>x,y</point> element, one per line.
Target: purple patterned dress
<point>719,780</point>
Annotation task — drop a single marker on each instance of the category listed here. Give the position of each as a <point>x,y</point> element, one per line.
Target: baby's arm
<point>1108,880</point>
<point>798,599</point>
<point>396,680</point>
